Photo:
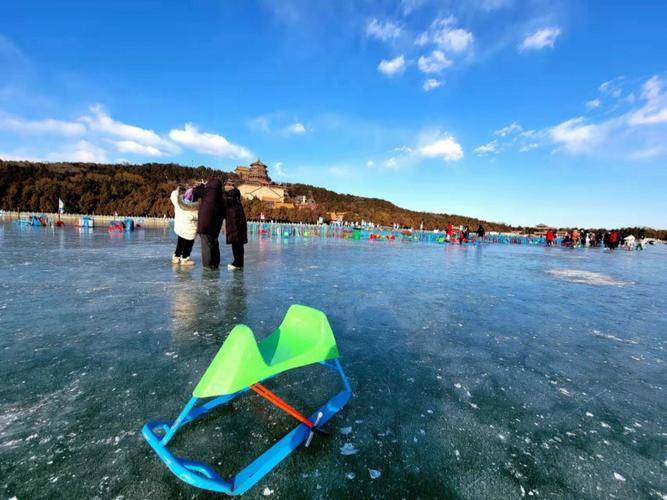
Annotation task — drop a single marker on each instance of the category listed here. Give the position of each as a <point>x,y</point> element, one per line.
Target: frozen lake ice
<point>478,372</point>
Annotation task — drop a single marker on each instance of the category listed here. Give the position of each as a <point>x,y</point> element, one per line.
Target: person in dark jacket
<point>236,225</point>
<point>481,232</point>
<point>209,222</point>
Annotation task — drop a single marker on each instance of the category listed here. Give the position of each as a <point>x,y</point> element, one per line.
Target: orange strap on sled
<point>273,398</point>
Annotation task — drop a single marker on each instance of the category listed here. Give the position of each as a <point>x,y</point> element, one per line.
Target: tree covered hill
<point>144,190</point>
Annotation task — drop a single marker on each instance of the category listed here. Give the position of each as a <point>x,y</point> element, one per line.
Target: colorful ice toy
<point>303,338</point>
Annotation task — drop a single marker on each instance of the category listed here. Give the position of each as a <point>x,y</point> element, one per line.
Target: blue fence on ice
<point>294,230</point>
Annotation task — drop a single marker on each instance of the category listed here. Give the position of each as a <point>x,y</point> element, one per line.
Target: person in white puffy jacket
<point>185,227</point>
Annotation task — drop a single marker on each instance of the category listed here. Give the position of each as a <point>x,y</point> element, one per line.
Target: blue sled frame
<point>202,476</point>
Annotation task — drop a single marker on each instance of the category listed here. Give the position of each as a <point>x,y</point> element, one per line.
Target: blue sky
<point>523,112</point>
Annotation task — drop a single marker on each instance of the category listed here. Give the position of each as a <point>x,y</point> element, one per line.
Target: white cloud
<point>19,157</point>
<point>593,104</point>
<point>207,143</point>
<point>648,153</point>
<point>431,83</point>
<point>100,121</point>
<point>277,123</point>
<point>391,163</point>
<point>423,39</point>
<point>81,151</point>
<point>278,169</point>
<point>443,34</point>
<point>370,163</point>
<point>382,30</point>
<point>528,147</point>
<point>296,129</point>
<point>392,67</point>
<point>98,126</point>
<point>401,156</point>
<point>136,148</point>
<point>490,5</point>
<point>632,129</point>
<point>455,40</point>
<point>613,87</point>
<point>487,149</point>
<point>575,136</point>
<point>259,124</point>
<point>654,110</point>
<point>434,63</point>
<point>409,6</point>
<point>338,171</point>
<point>444,146</point>
<point>47,126</point>
<point>545,37</point>
<point>512,128</point>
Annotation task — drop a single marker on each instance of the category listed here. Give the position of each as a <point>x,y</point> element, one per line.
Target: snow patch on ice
<point>601,335</point>
<point>586,277</point>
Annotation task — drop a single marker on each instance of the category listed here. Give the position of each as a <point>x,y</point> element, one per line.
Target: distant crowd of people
<point>463,234</point>
<point>200,209</point>
<point>583,238</point>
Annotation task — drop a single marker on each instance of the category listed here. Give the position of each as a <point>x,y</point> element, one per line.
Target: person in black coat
<point>209,222</point>
<point>236,225</point>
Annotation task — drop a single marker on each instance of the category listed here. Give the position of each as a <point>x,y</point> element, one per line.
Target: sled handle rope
<point>290,410</point>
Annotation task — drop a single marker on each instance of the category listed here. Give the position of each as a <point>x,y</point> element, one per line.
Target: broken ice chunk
<point>374,473</point>
<point>348,449</point>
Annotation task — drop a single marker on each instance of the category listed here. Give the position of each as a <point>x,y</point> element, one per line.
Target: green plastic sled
<point>303,338</point>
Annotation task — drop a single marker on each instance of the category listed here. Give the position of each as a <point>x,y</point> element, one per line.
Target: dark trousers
<point>210,251</point>
<point>237,251</point>
<point>183,247</point>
